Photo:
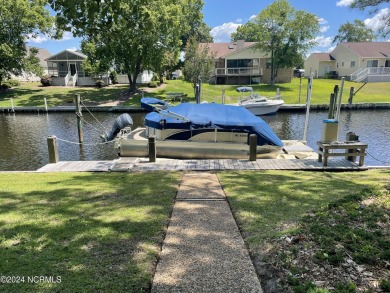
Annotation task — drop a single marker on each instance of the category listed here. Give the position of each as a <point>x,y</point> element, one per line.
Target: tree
<point>130,35</point>
<point>20,19</point>
<point>354,32</point>
<point>199,62</point>
<point>374,4</point>
<point>282,32</point>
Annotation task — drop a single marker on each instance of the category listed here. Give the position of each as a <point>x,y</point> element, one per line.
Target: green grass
<point>97,232</point>
<point>321,90</point>
<point>32,94</point>
<point>326,209</point>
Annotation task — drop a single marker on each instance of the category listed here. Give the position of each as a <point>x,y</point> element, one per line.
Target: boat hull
<point>194,150</point>
<point>264,109</point>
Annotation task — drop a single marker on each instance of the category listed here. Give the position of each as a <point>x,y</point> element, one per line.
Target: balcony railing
<point>239,71</point>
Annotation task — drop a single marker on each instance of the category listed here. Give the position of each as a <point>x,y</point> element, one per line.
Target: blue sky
<point>224,16</point>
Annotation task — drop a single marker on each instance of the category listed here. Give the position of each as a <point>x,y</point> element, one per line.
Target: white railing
<point>362,74</point>
<point>67,77</point>
<point>238,71</point>
<point>74,79</point>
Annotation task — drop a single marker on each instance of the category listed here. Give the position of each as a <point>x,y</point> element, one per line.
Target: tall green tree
<point>130,35</point>
<point>354,32</point>
<point>20,19</point>
<point>283,32</point>
<point>374,6</point>
<point>199,62</point>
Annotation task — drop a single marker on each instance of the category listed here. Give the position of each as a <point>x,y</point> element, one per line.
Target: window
<point>342,64</point>
<point>372,63</point>
<point>353,64</point>
<point>241,63</point>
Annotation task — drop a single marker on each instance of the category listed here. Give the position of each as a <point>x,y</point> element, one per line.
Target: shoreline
<point>135,109</point>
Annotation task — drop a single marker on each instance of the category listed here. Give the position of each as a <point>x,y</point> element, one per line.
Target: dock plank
<point>135,165</point>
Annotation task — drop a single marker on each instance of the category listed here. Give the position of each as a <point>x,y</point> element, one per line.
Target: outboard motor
<point>121,122</point>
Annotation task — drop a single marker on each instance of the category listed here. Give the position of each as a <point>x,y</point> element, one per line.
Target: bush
<point>5,86</point>
<point>114,77</point>
<point>99,83</point>
<point>46,80</point>
<point>155,77</point>
<point>152,84</point>
<point>13,82</point>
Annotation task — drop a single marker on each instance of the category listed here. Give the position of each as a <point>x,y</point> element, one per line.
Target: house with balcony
<point>65,69</point>
<point>241,63</point>
<point>360,61</point>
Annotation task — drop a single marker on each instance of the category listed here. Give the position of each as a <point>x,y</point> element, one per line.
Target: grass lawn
<point>97,232</point>
<point>32,94</point>
<point>333,221</point>
<point>321,90</point>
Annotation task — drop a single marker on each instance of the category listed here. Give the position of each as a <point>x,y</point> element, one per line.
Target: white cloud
<point>252,17</point>
<point>377,22</point>
<point>322,21</point>
<point>324,29</point>
<point>324,41</point>
<point>239,20</point>
<point>222,33</point>
<point>37,40</point>
<point>344,2</point>
<point>66,36</point>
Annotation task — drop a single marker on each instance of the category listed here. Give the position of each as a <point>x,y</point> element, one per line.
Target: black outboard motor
<point>121,122</point>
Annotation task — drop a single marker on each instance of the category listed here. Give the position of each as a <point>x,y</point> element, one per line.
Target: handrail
<point>67,77</point>
<point>362,74</point>
<point>239,70</point>
<point>75,77</point>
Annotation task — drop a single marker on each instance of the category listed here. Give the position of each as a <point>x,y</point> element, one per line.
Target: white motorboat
<point>260,105</point>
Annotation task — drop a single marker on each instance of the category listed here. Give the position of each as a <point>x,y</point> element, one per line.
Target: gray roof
<point>369,49</point>
<point>68,55</point>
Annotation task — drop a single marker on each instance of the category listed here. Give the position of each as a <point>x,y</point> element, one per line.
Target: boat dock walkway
<point>129,164</point>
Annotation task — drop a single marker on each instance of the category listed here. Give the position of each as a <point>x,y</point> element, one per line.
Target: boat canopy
<point>214,116</point>
<point>150,104</point>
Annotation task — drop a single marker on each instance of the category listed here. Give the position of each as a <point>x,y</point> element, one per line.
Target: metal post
<point>300,88</point>
<point>278,93</point>
<point>252,147</point>
<point>223,96</point>
<point>53,149</point>
<point>152,148</point>
<point>45,100</point>
<point>79,120</point>
<point>12,105</point>
<point>309,88</point>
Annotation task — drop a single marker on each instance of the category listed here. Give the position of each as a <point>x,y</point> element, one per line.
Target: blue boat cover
<point>210,115</point>
<point>150,104</point>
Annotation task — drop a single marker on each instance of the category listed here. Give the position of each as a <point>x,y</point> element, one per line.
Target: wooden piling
<point>79,116</point>
<point>253,147</point>
<point>52,146</point>
<point>152,148</point>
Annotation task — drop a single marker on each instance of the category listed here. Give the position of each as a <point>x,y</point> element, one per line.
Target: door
<point>72,68</point>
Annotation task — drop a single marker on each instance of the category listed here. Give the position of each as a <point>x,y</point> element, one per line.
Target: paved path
<point>203,250</point>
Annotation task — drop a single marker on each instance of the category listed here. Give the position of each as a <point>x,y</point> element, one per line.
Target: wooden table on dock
<point>351,150</point>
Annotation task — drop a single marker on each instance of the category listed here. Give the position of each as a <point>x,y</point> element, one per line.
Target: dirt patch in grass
<point>342,248</point>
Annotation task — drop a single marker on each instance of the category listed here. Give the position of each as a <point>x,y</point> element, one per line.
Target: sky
<point>224,16</point>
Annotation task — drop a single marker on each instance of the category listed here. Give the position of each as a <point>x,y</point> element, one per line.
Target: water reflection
<point>24,147</point>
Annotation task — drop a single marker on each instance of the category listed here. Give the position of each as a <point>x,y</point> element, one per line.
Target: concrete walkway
<point>203,250</point>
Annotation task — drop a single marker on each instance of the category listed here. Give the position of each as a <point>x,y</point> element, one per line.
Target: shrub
<point>99,83</point>
<point>13,82</point>
<point>155,77</point>
<point>114,77</point>
<point>152,84</point>
<point>46,80</point>
<point>5,86</point>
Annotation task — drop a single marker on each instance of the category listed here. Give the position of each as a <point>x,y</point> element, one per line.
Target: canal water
<point>23,137</point>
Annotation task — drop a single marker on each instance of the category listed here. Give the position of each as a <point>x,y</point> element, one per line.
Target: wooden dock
<point>143,165</point>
